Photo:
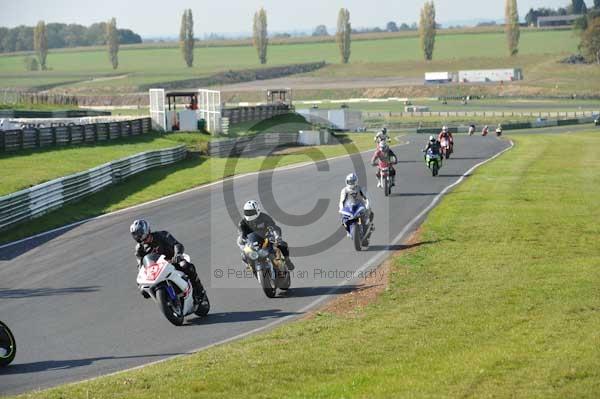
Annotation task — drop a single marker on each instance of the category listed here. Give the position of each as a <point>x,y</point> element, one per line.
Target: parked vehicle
<point>170,288</point>
<point>267,264</point>
<point>8,345</point>
<point>433,162</point>
<point>357,222</point>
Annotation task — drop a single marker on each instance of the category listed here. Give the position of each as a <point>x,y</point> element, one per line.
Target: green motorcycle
<point>433,162</point>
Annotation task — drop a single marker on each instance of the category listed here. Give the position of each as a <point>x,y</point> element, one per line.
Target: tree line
<point>60,35</point>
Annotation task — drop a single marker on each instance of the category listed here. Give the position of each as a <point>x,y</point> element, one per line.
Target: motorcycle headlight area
<point>253,255</point>
<point>263,253</point>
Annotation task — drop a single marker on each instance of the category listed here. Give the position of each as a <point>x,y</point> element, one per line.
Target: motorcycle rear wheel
<point>203,310</point>
<point>7,345</point>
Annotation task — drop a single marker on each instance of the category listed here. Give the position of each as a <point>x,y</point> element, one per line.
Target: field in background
<point>498,298</point>
<point>89,71</point>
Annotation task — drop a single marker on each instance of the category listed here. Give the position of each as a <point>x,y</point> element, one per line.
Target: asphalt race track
<point>71,300</point>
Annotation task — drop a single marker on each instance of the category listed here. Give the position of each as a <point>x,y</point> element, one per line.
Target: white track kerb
<point>373,263</point>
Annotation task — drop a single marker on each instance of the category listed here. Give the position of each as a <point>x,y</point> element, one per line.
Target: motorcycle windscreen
<point>255,240</point>
<point>150,259</point>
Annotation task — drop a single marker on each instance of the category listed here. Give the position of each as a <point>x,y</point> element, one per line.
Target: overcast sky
<point>151,18</point>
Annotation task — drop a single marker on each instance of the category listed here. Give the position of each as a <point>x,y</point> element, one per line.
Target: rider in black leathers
<point>163,243</point>
<point>433,145</point>
<point>255,221</point>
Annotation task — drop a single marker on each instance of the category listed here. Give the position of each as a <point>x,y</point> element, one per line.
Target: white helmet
<point>431,138</point>
<point>351,181</point>
<point>445,129</point>
<point>251,210</point>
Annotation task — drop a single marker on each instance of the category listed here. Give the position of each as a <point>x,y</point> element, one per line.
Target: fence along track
<point>38,200</point>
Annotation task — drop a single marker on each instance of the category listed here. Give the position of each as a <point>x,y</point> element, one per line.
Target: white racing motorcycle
<point>170,288</point>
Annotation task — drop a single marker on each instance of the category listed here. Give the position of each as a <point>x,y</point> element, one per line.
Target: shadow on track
<point>39,292</point>
<point>304,292</point>
<point>399,247</point>
<point>36,367</point>
<point>236,317</point>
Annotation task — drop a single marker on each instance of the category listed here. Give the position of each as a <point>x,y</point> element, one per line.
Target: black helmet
<point>140,230</point>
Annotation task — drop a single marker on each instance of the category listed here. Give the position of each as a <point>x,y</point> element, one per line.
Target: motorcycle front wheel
<point>356,236</point>
<point>264,278</point>
<point>8,346</point>
<point>435,169</point>
<point>172,311</point>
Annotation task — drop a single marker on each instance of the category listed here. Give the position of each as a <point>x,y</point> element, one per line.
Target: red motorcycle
<point>447,147</point>
<point>385,177</point>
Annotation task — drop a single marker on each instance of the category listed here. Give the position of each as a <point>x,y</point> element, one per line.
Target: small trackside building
<point>490,75</point>
<point>438,77</point>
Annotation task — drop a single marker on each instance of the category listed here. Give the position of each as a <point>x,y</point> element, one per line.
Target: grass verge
<point>159,182</point>
<point>27,168</point>
<point>499,299</point>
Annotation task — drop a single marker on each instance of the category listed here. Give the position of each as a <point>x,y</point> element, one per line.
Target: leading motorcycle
<point>267,263</point>
<point>357,222</point>
<point>8,346</point>
<point>170,288</point>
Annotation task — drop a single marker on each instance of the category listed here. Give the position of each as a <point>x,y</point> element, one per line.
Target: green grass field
<point>21,170</point>
<point>499,299</point>
<point>89,71</point>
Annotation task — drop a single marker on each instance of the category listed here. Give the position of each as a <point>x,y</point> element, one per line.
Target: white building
<point>490,75</point>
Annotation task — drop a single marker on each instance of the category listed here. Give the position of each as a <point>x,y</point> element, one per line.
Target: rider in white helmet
<point>354,191</point>
<point>382,135</point>
<point>255,221</point>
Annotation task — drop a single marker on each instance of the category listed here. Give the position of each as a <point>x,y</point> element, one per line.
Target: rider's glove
<point>177,259</point>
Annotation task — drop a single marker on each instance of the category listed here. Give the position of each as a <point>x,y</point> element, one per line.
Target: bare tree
<point>112,41</point>
<point>427,29</point>
<point>261,40</point>
<point>343,36</point>
<point>186,37</point>
<point>512,29</point>
<point>40,43</point>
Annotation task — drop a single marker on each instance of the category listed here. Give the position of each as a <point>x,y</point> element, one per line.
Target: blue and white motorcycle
<point>356,219</point>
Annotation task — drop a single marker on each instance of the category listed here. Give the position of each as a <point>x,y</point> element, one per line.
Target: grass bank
<point>27,168</point>
<point>500,299</point>
<point>159,182</point>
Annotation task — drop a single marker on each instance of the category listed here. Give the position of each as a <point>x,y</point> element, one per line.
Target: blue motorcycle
<point>356,219</point>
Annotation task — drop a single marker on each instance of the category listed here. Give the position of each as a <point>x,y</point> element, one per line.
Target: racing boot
<point>199,292</point>
<point>290,265</point>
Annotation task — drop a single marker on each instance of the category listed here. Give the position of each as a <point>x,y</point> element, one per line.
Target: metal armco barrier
<point>259,142</point>
<point>15,140</point>
<point>515,126</point>
<point>38,200</point>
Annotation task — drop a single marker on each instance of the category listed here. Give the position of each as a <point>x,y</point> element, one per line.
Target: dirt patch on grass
<point>369,288</point>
